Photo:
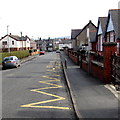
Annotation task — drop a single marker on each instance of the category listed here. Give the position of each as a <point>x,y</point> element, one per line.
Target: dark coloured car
<point>11,61</point>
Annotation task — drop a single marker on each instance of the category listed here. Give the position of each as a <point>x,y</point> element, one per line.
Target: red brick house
<point>112,33</point>
<point>100,34</point>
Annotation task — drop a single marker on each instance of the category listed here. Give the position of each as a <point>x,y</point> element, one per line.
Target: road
<point>36,90</point>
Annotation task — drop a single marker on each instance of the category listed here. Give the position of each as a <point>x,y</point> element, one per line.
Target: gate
<point>116,71</point>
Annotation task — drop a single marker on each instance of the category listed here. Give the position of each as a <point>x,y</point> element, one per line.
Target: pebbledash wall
<point>102,71</point>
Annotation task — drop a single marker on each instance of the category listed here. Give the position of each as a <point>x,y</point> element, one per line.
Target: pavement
<point>91,97</point>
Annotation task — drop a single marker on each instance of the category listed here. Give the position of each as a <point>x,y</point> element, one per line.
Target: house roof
<point>16,37</point>
<point>92,32</point>
<point>74,33</point>
<point>115,15</point>
<point>90,22</point>
<point>103,20</point>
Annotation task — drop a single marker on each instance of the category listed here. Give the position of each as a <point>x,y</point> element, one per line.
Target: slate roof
<point>103,21</point>
<point>115,15</point>
<point>16,37</point>
<point>92,32</point>
<point>23,38</point>
<point>74,33</point>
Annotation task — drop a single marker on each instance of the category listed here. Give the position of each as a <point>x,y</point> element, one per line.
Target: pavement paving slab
<point>91,98</point>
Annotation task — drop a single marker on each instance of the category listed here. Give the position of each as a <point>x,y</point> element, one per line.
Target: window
<point>108,37</point>
<point>4,43</point>
<point>111,36</point>
<point>12,42</point>
<point>98,44</point>
<point>118,47</point>
<point>100,41</point>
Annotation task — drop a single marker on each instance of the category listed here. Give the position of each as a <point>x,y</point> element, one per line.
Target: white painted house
<point>14,42</point>
<point>65,43</point>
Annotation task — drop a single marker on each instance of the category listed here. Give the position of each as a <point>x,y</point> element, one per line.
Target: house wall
<point>17,44</point>
<point>82,37</point>
<point>27,43</point>
<point>74,43</point>
<point>94,47</point>
<point>9,42</point>
<point>0,44</point>
<point>33,45</point>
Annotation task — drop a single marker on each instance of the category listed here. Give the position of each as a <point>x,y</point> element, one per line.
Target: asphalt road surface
<point>36,90</point>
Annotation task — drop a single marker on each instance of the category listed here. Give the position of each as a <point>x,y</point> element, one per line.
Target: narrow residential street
<point>36,90</point>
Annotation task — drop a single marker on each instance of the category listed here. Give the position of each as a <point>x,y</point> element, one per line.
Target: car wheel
<point>3,68</point>
<point>19,65</point>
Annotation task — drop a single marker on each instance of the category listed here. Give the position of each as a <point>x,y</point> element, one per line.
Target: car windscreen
<point>8,58</point>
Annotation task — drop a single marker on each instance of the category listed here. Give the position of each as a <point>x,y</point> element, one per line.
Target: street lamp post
<point>8,39</point>
<point>21,40</point>
<point>88,37</point>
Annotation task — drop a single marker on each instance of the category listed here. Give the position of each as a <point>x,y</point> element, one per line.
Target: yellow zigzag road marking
<point>34,105</point>
<point>51,77</point>
<point>51,71</point>
<point>53,74</point>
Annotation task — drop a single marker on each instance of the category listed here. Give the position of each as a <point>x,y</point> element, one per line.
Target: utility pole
<point>8,39</point>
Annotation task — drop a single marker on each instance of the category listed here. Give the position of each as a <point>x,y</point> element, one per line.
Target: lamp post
<point>88,37</point>
<point>21,40</point>
<point>8,39</point>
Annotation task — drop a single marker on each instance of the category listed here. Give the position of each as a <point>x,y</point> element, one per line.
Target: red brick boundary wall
<point>102,71</point>
<point>97,71</point>
<point>84,65</point>
<point>73,56</point>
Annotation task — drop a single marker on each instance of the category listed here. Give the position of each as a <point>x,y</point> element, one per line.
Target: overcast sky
<point>50,18</point>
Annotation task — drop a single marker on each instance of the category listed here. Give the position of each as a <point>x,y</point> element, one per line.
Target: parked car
<point>57,51</point>
<point>11,61</point>
<point>41,52</point>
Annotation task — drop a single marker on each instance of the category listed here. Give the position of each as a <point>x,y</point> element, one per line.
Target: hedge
<point>19,54</point>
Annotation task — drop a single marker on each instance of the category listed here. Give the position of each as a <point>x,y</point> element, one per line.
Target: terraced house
<point>100,34</point>
<point>112,33</point>
<point>108,30</point>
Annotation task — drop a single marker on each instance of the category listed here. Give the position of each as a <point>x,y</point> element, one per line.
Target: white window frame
<point>111,36</point>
